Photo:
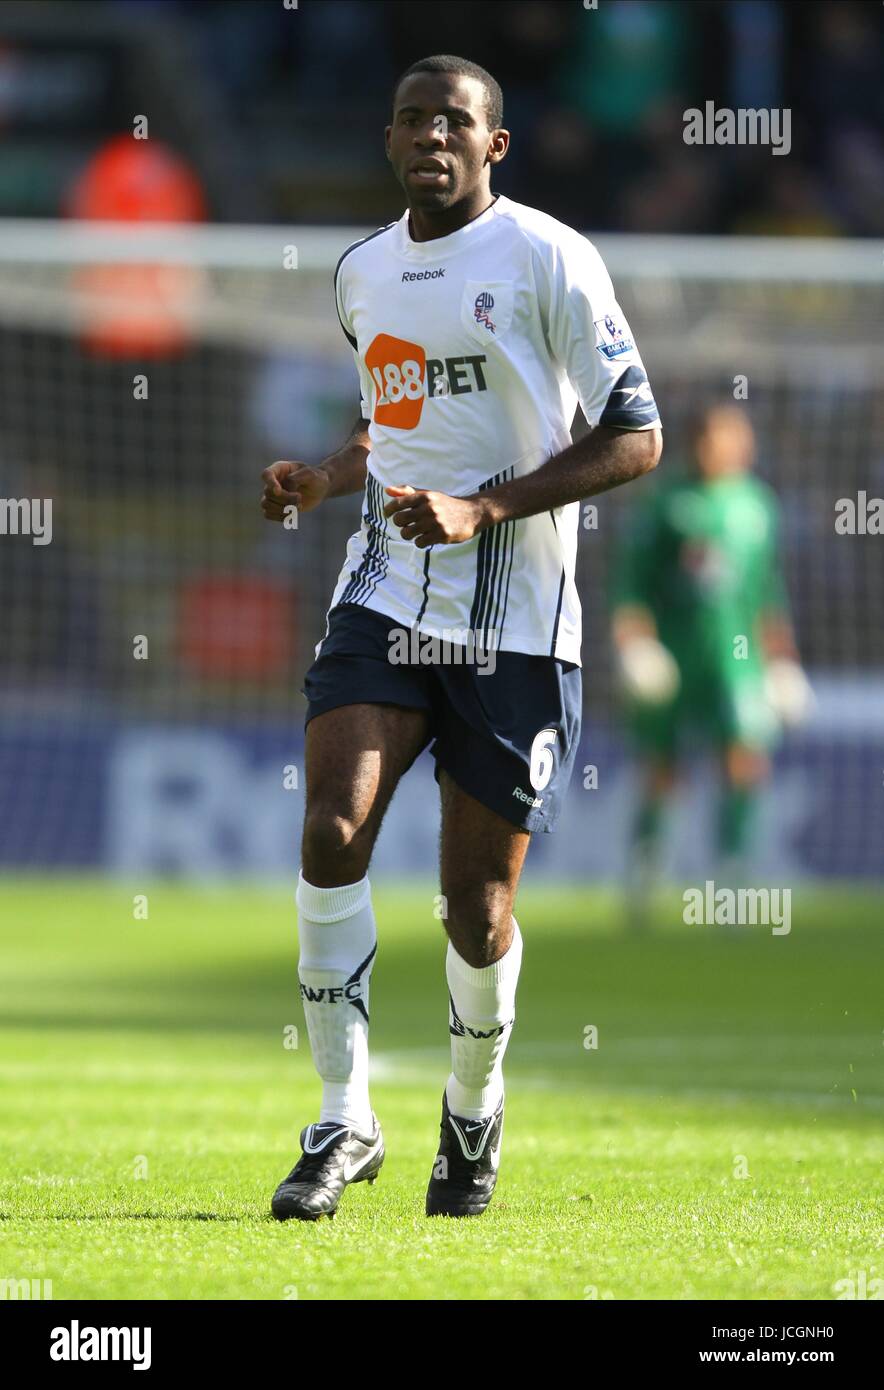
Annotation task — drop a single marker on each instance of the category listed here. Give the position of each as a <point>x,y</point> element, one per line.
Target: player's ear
<point>387,133</point>
<point>500,143</point>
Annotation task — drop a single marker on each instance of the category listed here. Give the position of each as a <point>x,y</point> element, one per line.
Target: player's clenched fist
<point>292,485</point>
<point>432,518</point>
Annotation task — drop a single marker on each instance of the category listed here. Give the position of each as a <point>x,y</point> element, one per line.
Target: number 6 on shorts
<point>542,762</point>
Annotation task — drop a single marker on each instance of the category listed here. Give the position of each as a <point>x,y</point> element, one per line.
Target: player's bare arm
<point>606,458</point>
<point>292,484</point>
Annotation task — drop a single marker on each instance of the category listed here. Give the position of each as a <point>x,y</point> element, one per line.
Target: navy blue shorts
<point>507,737</point>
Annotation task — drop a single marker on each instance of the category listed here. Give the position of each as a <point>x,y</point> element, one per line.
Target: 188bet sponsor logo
<point>404,377</point>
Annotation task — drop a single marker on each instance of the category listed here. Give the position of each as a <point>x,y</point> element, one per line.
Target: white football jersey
<point>473,350</point>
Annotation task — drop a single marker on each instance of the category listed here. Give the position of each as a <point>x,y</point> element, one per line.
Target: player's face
<point>439,144</point>
<point>725,445</point>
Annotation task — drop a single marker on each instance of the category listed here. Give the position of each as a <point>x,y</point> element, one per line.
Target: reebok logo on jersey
<point>404,376</point>
<point>643,390</point>
<point>631,404</point>
<point>422,275</point>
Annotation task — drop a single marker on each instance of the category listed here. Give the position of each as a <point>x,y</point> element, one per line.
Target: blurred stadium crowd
<point>278,111</point>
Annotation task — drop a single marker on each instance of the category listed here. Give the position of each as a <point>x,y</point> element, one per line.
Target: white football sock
<point>338,941</point>
<point>483,1004</point>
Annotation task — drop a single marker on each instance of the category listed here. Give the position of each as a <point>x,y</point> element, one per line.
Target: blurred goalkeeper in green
<point>703,638</point>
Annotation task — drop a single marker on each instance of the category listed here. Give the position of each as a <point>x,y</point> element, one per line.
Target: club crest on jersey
<point>612,338</point>
<point>482,310</point>
<point>487,308</point>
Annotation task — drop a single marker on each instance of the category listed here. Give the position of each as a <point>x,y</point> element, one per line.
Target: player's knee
<point>479,926</point>
<point>334,846</point>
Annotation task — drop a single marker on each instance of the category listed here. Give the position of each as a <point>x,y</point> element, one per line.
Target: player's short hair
<point>447,62</point>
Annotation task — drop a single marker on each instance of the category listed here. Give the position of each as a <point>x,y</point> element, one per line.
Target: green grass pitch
<point>724,1139</point>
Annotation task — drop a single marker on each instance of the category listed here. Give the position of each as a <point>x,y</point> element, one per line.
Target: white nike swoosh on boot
<point>350,1172</point>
